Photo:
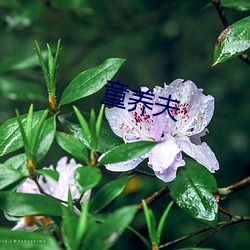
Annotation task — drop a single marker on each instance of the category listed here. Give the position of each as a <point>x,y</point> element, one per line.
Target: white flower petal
<point>165,158</point>
<point>21,225</point>
<point>124,166</point>
<point>59,189</point>
<point>201,153</point>
<point>29,187</point>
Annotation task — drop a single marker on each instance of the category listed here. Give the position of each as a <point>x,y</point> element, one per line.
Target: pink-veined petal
<point>195,108</point>
<point>201,153</point>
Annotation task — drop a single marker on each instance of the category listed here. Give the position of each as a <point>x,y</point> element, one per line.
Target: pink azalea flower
<point>183,135</point>
<point>58,189</point>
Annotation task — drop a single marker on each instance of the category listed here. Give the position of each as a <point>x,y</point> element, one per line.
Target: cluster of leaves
<point>35,131</point>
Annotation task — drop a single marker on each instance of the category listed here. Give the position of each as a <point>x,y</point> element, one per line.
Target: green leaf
<point>53,174</point>
<point>20,204</point>
<point>19,90</point>
<point>99,122</point>
<point>46,138</point>
<point>105,235</point>
<point>73,146</point>
<point>151,223</point>
<point>8,176</point>
<point>92,127</point>
<point>84,125</point>
<point>28,127</point>
<point>69,230</point>
<point>143,239</point>
<point>82,223</point>
<point>70,201</point>
<point>108,193</point>
<point>10,136</point>
<point>127,152</point>
<point>43,65</point>
<point>233,41</point>
<point>74,228</point>
<point>16,240</point>
<point>241,5</point>
<point>107,139</point>
<point>87,177</point>
<point>193,191</point>
<point>90,81</point>
<point>162,221</point>
<point>37,132</point>
<point>18,162</point>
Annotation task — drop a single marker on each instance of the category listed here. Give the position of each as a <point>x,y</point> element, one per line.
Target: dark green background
<point>162,41</point>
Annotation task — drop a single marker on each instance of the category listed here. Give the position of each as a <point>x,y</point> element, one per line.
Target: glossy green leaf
<point>107,138</point>
<point>127,152</point>
<point>19,90</point>
<point>46,138</point>
<point>241,5</point>
<point>108,193</point>
<point>16,240</point>
<point>233,41</point>
<point>53,174</point>
<point>90,81</point>
<point>10,136</point>
<point>73,146</point>
<point>87,177</point>
<point>37,134</point>
<point>105,235</point>
<point>8,176</point>
<point>20,204</point>
<point>18,162</point>
<point>193,191</point>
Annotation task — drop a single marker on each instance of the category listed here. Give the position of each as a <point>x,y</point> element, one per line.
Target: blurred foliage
<point>161,41</point>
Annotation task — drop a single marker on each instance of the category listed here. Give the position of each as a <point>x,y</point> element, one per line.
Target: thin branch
<point>144,173</point>
<point>223,192</point>
<point>226,23</point>
<point>235,220</point>
<point>224,211</point>
<point>204,229</point>
<point>152,198</point>
<point>222,15</point>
